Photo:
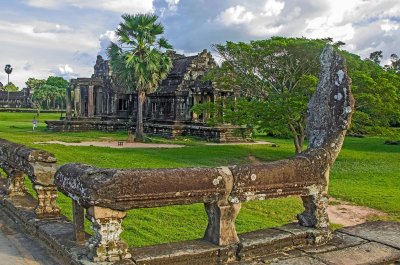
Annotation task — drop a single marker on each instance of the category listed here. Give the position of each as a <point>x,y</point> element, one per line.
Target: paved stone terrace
<point>18,248</point>
<point>369,243</point>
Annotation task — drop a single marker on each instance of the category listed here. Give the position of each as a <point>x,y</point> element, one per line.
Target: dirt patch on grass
<point>346,214</point>
<point>115,144</point>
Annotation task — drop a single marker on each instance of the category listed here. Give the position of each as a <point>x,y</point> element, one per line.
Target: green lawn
<point>366,173</point>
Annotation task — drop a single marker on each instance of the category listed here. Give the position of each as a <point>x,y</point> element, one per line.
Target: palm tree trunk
<point>139,133</point>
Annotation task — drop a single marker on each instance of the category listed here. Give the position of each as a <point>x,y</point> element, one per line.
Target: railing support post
<point>47,202</point>
<point>15,183</point>
<point>105,244</point>
<point>221,223</point>
<point>79,222</point>
<point>315,213</point>
<point>222,213</point>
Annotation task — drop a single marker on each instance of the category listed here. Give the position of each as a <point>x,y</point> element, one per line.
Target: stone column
<point>105,244</point>
<point>91,101</point>
<point>47,202</point>
<point>15,182</point>
<point>68,102</point>
<point>115,104</point>
<point>77,102</point>
<point>99,102</point>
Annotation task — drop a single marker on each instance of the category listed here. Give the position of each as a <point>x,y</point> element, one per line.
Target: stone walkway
<point>364,244</point>
<point>17,248</point>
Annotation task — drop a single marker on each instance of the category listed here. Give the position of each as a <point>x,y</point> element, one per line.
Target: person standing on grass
<point>34,123</point>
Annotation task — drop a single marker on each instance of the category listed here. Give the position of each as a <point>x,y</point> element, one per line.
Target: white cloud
<point>105,40</point>
<point>65,69</point>
<point>46,27</point>
<point>273,8</point>
<point>235,15</point>
<point>49,4</point>
<point>172,5</point>
<point>388,25</point>
<point>119,6</point>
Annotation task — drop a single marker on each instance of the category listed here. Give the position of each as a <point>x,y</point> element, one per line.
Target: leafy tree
<point>394,65</point>
<point>48,93</point>
<point>140,63</point>
<point>34,84</point>
<point>279,74</point>
<point>376,57</point>
<point>377,94</point>
<point>10,87</point>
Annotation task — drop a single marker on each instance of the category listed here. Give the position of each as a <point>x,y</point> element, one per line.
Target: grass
<point>366,173</point>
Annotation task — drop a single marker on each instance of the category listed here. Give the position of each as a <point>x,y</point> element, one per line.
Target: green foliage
<point>50,91</point>
<point>377,95</point>
<point>34,84</point>
<point>274,78</point>
<point>10,87</point>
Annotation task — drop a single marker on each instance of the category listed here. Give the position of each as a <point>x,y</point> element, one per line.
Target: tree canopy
<point>10,87</point>
<point>274,79</point>
<point>48,93</point>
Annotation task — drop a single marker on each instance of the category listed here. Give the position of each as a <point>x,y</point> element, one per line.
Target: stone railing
<point>108,193</point>
<point>17,160</point>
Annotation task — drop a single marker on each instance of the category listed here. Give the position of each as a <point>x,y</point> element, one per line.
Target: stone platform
<point>220,134</point>
<point>369,243</point>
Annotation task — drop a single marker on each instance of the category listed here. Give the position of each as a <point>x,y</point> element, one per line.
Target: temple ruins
<point>101,102</point>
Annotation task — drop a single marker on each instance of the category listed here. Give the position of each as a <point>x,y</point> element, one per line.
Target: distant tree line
<point>48,94</point>
<point>274,79</point>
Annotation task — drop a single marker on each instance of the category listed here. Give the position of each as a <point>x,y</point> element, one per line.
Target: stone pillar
<point>115,104</point>
<point>68,102</point>
<point>105,244</point>
<point>78,220</point>
<point>222,214</point>
<point>77,102</point>
<point>91,101</point>
<point>99,102</point>
<point>15,182</point>
<point>47,202</point>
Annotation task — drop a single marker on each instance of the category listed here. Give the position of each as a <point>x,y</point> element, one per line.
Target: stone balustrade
<point>108,193</point>
<point>17,160</point>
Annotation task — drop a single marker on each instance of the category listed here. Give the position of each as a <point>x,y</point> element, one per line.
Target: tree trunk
<point>298,138</point>
<point>139,133</point>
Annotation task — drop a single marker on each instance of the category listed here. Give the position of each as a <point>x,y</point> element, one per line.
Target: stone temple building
<point>18,99</point>
<point>102,103</point>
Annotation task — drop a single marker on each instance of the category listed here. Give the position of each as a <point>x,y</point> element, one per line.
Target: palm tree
<point>8,69</point>
<point>139,61</point>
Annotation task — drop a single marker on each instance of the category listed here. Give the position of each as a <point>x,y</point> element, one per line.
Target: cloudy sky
<point>63,37</point>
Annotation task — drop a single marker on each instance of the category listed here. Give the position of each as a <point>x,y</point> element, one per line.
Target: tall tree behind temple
<point>139,62</point>
<point>8,69</point>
